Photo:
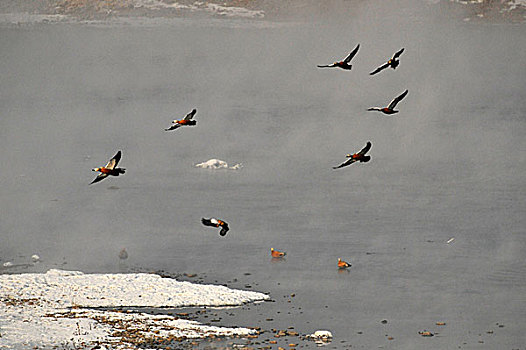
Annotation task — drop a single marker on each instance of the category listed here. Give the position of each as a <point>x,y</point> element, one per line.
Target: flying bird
<point>342,264</point>
<point>216,223</point>
<point>393,63</point>
<point>357,157</point>
<point>109,169</point>
<point>187,120</point>
<point>345,63</point>
<point>276,253</point>
<point>390,109</point>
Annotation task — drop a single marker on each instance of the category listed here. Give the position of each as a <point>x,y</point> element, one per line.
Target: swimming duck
<point>345,63</point>
<point>357,157</point>
<point>342,264</point>
<point>216,223</point>
<point>393,63</point>
<point>390,109</point>
<point>109,169</point>
<point>187,120</point>
<point>276,253</point>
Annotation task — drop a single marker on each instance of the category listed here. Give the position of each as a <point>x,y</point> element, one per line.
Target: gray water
<point>449,165</point>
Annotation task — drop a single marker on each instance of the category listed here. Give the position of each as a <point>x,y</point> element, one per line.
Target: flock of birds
<point>112,169</point>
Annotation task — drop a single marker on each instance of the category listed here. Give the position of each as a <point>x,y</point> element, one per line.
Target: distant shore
<point>483,10</point>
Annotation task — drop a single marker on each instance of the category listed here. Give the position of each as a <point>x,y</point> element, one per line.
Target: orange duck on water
<point>393,63</point>
<point>276,253</point>
<point>216,223</point>
<point>342,264</point>
<point>390,109</point>
<point>187,120</point>
<point>357,157</point>
<point>345,64</point>
<point>109,169</point>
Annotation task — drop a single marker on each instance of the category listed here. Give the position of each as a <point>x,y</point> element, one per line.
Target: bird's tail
<point>121,170</point>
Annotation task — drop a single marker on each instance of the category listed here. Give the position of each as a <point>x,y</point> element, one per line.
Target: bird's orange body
<point>104,170</point>
<point>276,253</point>
<point>342,264</point>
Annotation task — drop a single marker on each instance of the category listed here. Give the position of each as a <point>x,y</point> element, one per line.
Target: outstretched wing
<point>365,149</point>
<point>224,230</point>
<point>207,222</point>
<point>190,115</point>
<point>396,55</point>
<point>326,66</point>
<point>379,69</point>
<point>114,161</point>
<point>347,162</point>
<point>100,177</point>
<point>173,127</point>
<point>352,54</point>
<point>394,102</point>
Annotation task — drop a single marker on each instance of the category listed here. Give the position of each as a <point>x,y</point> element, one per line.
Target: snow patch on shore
<point>58,307</point>
<point>218,164</point>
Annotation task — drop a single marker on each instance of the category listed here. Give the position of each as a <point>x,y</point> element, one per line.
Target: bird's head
<point>271,249</point>
<point>95,169</point>
<point>348,155</point>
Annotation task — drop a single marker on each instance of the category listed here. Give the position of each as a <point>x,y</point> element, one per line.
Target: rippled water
<point>449,165</point>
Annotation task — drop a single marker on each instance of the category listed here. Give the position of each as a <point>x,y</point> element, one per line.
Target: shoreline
<point>257,10</point>
<point>61,307</point>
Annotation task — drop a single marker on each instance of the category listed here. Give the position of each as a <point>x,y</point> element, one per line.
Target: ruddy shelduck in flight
<point>357,157</point>
<point>187,120</point>
<point>391,108</point>
<point>216,223</point>
<point>109,169</point>
<point>345,64</point>
<point>393,63</point>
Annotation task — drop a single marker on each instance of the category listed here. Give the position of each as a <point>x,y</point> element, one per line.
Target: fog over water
<point>450,164</point>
